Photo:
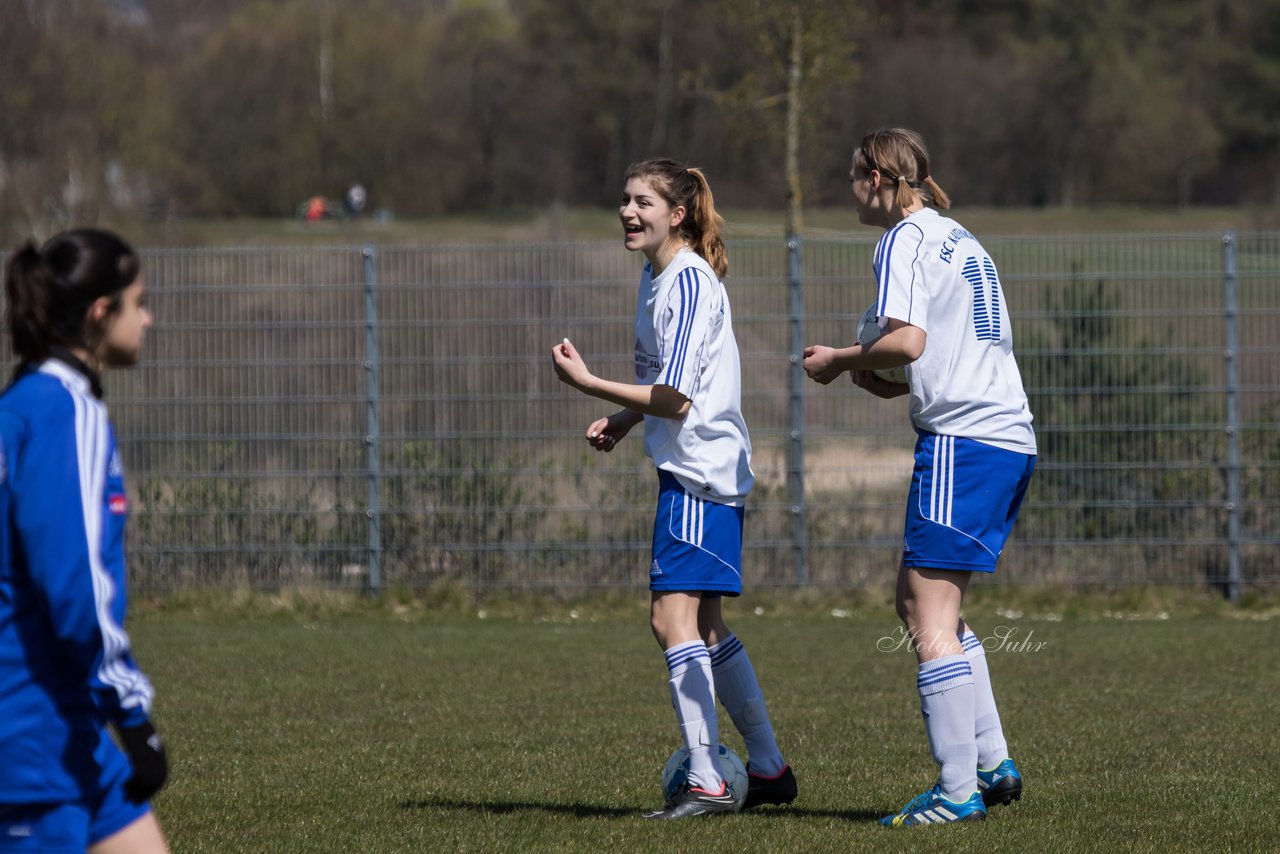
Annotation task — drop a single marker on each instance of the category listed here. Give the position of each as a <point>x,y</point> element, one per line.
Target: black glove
<point>150,763</point>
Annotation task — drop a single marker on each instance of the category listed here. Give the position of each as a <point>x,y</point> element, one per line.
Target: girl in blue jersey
<point>942,314</point>
<point>688,395</point>
<point>75,307</point>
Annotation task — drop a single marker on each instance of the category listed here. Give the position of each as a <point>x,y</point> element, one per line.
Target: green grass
<point>313,726</point>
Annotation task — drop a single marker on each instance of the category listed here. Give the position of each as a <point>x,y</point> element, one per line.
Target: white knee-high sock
<point>694,700</point>
<point>739,692</point>
<point>946,701</point>
<point>992,749</point>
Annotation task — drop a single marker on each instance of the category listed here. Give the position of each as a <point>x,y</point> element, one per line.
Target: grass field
<point>544,727</point>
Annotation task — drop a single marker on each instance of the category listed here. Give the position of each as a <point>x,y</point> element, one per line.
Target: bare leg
<point>929,603</point>
<point>141,837</point>
<point>673,617</point>
<point>711,625</point>
<point>739,692</point>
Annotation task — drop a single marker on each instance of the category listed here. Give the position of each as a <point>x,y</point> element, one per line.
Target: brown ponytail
<point>49,290</point>
<point>687,187</point>
<point>899,155</point>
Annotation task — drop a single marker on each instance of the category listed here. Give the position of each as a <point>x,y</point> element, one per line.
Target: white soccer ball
<point>868,331</point>
<point>676,774</point>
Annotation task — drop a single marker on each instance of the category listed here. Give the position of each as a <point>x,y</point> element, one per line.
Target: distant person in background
<point>688,394</point>
<point>315,209</point>
<point>943,315</point>
<point>355,199</point>
<point>75,308</point>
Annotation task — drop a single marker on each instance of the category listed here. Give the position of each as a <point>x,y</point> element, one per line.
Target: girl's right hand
<point>820,363</point>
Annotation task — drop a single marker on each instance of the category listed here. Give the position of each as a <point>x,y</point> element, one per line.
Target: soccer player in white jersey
<point>75,307</point>
<point>688,393</point>
<point>943,316</point>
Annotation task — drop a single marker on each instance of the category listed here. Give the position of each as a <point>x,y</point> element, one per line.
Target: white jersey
<point>935,275</point>
<point>684,339</point>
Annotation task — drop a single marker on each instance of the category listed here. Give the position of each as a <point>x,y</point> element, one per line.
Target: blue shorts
<point>964,499</point>
<point>76,826</point>
<point>697,544</point>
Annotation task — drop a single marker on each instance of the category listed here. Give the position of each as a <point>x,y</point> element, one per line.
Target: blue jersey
<point>66,669</point>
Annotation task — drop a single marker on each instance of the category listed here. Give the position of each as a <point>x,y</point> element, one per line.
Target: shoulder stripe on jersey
<point>690,285</point>
<point>668,369</point>
<point>673,371</point>
<point>690,288</point>
<point>92,447</point>
<point>886,259</point>
<point>879,254</point>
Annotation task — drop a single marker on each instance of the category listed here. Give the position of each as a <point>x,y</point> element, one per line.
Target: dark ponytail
<point>49,290</point>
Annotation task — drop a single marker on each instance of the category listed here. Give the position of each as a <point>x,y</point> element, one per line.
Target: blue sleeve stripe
<point>882,282</point>
<point>669,366</point>
<point>92,449</point>
<point>884,261</point>
<point>682,331</point>
<point>690,287</point>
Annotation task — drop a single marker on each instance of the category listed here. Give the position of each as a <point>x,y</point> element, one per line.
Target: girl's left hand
<point>880,388</point>
<point>569,365</point>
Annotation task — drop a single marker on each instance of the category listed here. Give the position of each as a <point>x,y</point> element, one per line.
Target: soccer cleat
<point>780,789</point>
<point>932,808</point>
<point>1001,785</point>
<point>690,801</point>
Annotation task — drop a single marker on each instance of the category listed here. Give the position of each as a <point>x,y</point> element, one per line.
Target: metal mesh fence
<point>389,416</point>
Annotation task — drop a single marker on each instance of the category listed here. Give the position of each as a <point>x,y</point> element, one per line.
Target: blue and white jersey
<point>934,274</point>
<point>65,664</point>
<point>684,339</point>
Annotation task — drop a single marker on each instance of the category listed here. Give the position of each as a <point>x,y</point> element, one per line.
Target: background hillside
<point>166,111</point>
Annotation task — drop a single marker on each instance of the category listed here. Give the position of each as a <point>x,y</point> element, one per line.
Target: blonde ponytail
<point>941,200</point>
<point>706,226</point>
<point>899,155</point>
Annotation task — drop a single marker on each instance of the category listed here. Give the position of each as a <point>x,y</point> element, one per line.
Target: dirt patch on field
<point>840,468</point>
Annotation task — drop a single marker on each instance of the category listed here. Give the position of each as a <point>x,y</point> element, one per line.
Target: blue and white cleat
<point>1001,785</point>
<point>932,808</point>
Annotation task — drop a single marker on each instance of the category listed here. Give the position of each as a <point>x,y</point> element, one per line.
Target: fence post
<point>795,449</point>
<point>372,458</point>
<point>1231,353</point>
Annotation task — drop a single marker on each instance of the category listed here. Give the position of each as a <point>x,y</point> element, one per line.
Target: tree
<point>68,77</point>
<point>802,51</point>
<point>1243,43</point>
